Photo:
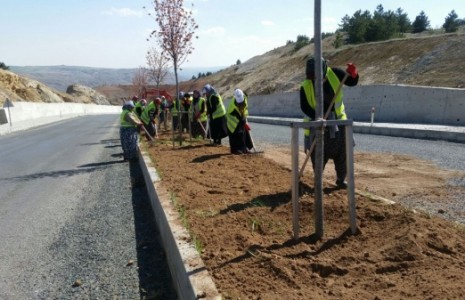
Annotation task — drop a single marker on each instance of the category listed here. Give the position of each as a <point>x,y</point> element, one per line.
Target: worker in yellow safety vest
<point>129,133</point>
<point>149,116</point>
<point>334,137</point>
<point>240,141</point>
<point>185,108</point>
<point>216,113</point>
<point>175,110</point>
<point>198,111</point>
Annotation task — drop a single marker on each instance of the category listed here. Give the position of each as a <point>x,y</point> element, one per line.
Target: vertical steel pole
<point>295,180</point>
<point>9,114</point>
<point>350,177</point>
<point>319,149</point>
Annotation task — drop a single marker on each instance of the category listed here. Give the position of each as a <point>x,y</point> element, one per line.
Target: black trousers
<point>239,140</point>
<point>335,149</point>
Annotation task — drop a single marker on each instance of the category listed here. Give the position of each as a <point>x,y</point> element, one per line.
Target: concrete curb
<point>417,131</point>
<point>190,276</point>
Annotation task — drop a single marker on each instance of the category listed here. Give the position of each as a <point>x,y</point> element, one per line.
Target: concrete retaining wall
<point>392,103</point>
<point>26,115</point>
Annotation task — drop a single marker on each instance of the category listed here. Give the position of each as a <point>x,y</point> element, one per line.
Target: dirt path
<point>239,208</point>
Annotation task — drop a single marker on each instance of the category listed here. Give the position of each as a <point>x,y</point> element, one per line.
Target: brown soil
<point>240,209</point>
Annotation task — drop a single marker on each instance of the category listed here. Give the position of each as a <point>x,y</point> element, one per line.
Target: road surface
<point>71,224</point>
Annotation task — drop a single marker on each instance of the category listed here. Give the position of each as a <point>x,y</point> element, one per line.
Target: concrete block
<point>3,116</point>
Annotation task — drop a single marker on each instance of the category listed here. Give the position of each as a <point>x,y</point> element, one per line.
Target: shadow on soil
<point>256,250</point>
<point>273,201</point>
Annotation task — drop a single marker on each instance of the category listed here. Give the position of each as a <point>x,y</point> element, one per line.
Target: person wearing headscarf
<point>238,128</point>
<point>216,113</point>
<point>334,136</point>
<point>129,133</point>
<point>199,115</point>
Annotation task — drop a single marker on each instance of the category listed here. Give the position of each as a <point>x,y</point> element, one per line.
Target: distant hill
<point>418,59</point>
<point>425,59</point>
<point>60,77</point>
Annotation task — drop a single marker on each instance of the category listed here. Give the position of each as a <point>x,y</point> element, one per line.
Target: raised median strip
<point>417,131</point>
<point>191,279</point>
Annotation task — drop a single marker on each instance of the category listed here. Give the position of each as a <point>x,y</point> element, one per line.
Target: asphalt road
<point>71,224</point>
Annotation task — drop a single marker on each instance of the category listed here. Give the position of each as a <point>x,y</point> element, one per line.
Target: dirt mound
<point>238,210</point>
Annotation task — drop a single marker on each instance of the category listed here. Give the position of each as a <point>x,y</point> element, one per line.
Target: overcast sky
<point>113,33</point>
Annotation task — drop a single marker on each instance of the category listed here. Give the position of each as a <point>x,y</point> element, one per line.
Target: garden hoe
<point>148,135</point>
<point>249,135</point>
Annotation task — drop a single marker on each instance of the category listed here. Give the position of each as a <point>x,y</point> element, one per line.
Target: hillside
<point>436,60</point>
<point>420,59</point>
<point>60,77</point>
<point>19,88</point>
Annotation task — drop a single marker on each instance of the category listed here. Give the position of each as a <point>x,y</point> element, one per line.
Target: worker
<point>163,111</point>
<point>185,106</point>
<point>216,113</point>
<point>175,110</point>
<point>334,136</point>
<point>238,128</point>
<point>138,105</point>
<point>199,115</point>
<point>148,117</point>
<point>129,124</point>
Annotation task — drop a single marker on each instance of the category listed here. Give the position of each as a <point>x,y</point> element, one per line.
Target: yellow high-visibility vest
<point>310,95</point>
<point>232,120</point>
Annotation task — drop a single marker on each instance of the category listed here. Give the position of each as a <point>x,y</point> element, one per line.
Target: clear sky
<point>113,33</point>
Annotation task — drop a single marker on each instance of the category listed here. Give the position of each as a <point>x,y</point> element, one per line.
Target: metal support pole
<point>295,180</point>
<point>189,120</point>
<point>172,127</point>
<point>372,116</point>
<point>8,103</point>
<point>350,177</point>
<point>319,149</point>
<point>180,122</point>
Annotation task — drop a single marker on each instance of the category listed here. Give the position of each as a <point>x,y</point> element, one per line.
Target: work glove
<point>247,126</point>
<point>352,70</point>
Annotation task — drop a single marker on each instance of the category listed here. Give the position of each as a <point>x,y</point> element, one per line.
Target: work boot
<point>342,184</point>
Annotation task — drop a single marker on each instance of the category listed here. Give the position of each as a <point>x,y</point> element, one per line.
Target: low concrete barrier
<point>392,104</point>
<point>24,115</point>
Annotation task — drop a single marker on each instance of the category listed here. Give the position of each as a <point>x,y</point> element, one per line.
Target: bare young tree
<point>139,81</point>
<point>176,28</point>
<point>157,66</point>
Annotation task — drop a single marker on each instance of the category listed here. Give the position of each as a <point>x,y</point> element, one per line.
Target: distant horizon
<point>134,68</point>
